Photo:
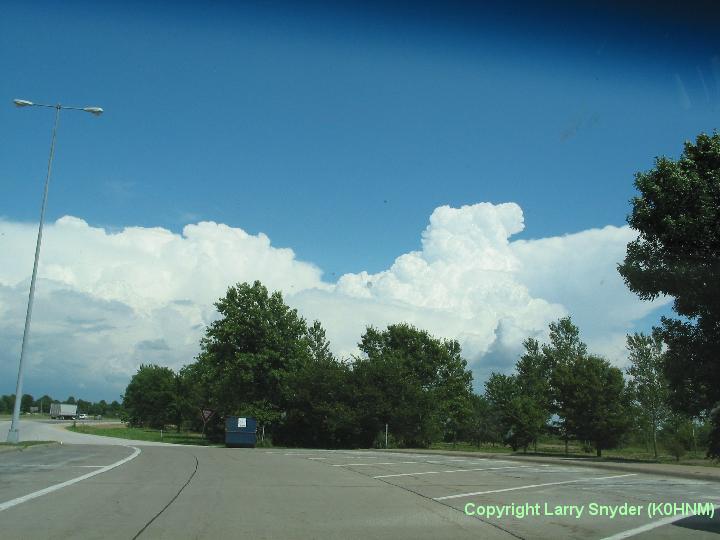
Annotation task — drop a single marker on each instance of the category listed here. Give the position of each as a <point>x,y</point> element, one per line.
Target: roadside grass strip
<point>455,471</point>
<point>55,487</point>
<point>460,495</point>
<point>650,526</point>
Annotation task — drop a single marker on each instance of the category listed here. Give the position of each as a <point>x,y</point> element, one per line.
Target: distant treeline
<point>28,403</point>
<point>261,359</point>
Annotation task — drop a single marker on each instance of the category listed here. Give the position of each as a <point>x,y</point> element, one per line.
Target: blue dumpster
<point>240,431</point>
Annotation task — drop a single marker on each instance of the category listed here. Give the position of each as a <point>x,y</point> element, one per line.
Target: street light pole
<point>14,433</point>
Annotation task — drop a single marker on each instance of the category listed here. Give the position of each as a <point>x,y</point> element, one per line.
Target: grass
<point>143,434</point>
<point>22,444</point>
<point>552,447</point>
<point>469,447</point>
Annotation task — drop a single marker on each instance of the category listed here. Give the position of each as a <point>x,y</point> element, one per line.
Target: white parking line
<point>455,460</point>
<point>317,458</point>
<point>373,464</point>
<point>459,495</point>
<point>454,471</point>
<point>649,526</point>
<point>50,489</point>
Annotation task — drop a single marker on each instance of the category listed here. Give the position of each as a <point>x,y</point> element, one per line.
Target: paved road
<point>194,492</point>
<point>54,430</point>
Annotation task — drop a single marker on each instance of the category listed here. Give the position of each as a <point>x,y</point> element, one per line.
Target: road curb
<point>688,471</point>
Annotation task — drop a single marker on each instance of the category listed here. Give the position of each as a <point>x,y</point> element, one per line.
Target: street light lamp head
<point>97,111</point>
<point>22,102</point>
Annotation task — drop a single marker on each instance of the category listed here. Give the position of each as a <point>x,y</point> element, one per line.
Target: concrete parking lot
<point>139,491</point>
<point>531,500</point>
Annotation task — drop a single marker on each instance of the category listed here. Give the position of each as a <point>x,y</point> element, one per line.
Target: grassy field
<point>557,448</point>
<point>121,431</point>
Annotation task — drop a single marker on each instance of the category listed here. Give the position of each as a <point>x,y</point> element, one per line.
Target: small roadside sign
<point>206,414</point>
<point>242,422</point>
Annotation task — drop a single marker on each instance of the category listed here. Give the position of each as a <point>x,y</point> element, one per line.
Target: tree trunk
<point>566,446</point>
<point>599,451</point>
<point>654,441</point>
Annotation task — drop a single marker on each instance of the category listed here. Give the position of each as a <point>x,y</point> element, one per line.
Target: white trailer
<point>63,410</point>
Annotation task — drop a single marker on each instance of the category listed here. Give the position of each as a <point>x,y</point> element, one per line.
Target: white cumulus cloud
<point>108,301</point>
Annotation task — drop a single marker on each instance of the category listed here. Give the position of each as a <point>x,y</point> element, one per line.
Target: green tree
<point>318,344</point>
<point>677,253</point>
<point>533,375</point>
<point>84,406</point>
<point>43,403</point>
<point>520,418</point>
<point>149,399</point>
<point>676,435</point>
<point>648,386</point>
<point>418,384</point>
<point>565,345</point>
<point>712,435</point>
<point>483,424</point>
<point>26,402</point>
<point>565,348</point>
<point>4,404</point>
<point>101,408</point>
<point>592,401</point>
<point>196,384</point>
<point>248,354</point>
<point>320,410</point>
<point>115,409</point>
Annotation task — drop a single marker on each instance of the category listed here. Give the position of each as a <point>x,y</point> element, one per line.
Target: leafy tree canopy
<point>150,396</point>
<point>248,353</point>
<point>677,253</point>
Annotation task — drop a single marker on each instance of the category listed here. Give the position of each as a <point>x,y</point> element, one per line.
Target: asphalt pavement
<point>134,490</point>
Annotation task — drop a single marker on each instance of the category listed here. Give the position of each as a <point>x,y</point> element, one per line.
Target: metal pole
<point>14,433</point>
<point>386,433</point>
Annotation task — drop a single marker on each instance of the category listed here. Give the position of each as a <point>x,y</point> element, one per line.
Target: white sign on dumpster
<point>242,422</point>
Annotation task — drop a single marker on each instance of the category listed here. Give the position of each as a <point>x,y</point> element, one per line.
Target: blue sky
<point>303,122</point>
<point>337,131</point>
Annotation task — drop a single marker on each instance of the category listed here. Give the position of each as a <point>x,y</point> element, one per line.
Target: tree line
<point>560,389</point>
<point>28,404</point>
<point>261,359</point>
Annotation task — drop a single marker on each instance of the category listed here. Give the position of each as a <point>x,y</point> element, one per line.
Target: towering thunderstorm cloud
<point>108,301</point>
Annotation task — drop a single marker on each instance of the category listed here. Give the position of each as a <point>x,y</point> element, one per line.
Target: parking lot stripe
<point>454,471</point>
<point>649,526</point>
<point>55,487</point>
<point>373,464</point>
<point>459,495</point>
